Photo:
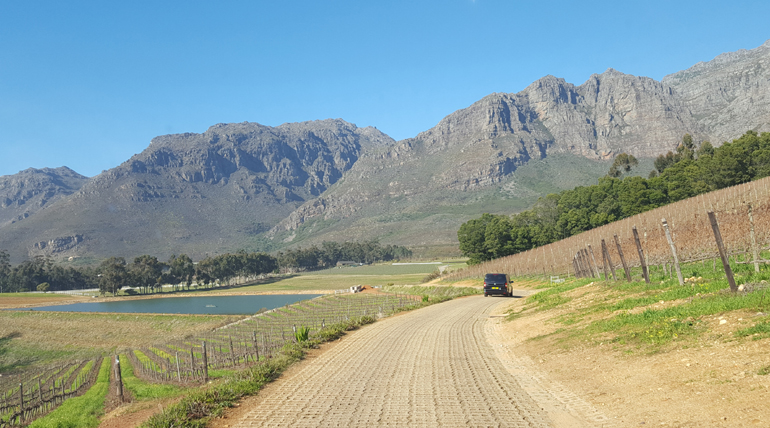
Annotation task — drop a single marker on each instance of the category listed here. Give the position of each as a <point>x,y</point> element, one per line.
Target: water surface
<point>212,305</point>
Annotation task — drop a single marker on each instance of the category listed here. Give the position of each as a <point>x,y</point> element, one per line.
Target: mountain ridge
<point>246,185</point>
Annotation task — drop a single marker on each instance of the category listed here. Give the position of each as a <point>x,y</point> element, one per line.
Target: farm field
<point>343,278</point>
<point>164,348</point>
<point>18,300</point>
<point>29,338</point>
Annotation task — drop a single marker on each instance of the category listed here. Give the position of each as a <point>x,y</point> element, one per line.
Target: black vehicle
<point>497,283</point>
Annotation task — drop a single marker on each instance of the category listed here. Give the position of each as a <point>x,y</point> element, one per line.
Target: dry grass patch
<point>25,300</point>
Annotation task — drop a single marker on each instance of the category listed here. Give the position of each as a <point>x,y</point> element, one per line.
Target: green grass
<point>387,269</point>
<point>142,390</point>
<point>34,296</point>
<point>660,326</point>
<point>83,411</point>
<point>434,293</point>
<point>626,313</point>
<point>331,280</point>
<point>758,331</point>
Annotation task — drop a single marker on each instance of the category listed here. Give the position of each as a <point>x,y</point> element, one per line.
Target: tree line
<point>329,253</point>
<point>689,171</point>
<point>43,274</point>
<point>148,274</point>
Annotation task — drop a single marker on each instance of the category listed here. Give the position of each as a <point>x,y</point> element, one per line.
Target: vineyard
<point>256,338</point>
<point>27,396</point>
<point>742,212</point>
<point>30,395</point>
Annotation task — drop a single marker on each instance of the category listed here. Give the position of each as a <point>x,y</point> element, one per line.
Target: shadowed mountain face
<point>258,187</point>
<point>196,193</point>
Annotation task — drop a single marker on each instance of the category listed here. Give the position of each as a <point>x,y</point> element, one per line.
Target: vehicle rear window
<point>496,277</point>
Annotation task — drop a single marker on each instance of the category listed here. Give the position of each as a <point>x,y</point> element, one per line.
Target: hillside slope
<point>196,193</point>
<point>257,187</point>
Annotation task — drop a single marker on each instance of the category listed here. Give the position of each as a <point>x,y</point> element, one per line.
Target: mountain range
<point>256,187</point>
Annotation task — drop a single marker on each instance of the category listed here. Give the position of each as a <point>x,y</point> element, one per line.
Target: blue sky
<point>89,84</point>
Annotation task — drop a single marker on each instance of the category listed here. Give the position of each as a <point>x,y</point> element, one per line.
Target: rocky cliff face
<point>25,193</point>
<point>729,94</point>
<point>482,145</point>
<point>237,184</point>
<point>197,193</point>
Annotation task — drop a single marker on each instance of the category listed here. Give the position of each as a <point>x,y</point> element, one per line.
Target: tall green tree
<point>689,172</point>
<point>473,236</point>
<point>5,270</point>
<point>114,275</point>
<point>182,270</point>
<point>146,272</point>
<point>622,165</point>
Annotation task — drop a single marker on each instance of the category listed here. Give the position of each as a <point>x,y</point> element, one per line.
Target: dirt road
<point>437,366</point>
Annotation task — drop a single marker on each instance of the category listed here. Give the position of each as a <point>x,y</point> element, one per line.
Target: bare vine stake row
<point>744,221</point>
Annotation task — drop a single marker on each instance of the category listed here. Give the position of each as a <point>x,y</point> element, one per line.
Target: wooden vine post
<point>754,250</point>
<point>608,260</point>
<point>673,251</point>
<point>118,379</point>
<point>582,262</point>
<point>205,363</point>
<point>575,266</point>
<point>591,250</point>
<point>256,346</point>
<point>722,252</point>
<point>178,370</point>
<point>642,261</point>
<point>594,271</point>
<point>622,259</point>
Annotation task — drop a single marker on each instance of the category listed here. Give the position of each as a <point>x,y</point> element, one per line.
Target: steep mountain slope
<point>252,186</point>
<point>31,190</point>
<point>729,94</point>
<point>197,193</point>
<point>475,151</point>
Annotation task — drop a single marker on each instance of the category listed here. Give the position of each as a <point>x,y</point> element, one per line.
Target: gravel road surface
<point>430,367</point>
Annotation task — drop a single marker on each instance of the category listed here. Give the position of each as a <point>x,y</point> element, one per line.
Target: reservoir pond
<point>212,305</point>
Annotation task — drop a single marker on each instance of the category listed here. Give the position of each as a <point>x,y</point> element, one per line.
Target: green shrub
<point>302,334</point>
<point>431,276</point>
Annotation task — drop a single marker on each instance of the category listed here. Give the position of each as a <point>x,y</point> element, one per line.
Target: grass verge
<point>142,390</point>
<point>653,316</point>
<point>196,409</point>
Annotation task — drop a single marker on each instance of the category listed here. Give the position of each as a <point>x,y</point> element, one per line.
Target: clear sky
<point>88,84</point>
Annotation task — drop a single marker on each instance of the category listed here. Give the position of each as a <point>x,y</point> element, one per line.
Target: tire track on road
<point>429,367</point>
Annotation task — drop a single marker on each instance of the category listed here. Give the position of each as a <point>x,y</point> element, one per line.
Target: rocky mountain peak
<point>31,190</point>
<point>729,94</point>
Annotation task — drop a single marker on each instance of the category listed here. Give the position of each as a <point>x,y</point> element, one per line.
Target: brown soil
<point>9,301</point>
<point>130,415</point>
<point>712,382</point>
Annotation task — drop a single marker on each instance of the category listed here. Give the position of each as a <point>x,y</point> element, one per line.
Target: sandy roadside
<point>713,384</point>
